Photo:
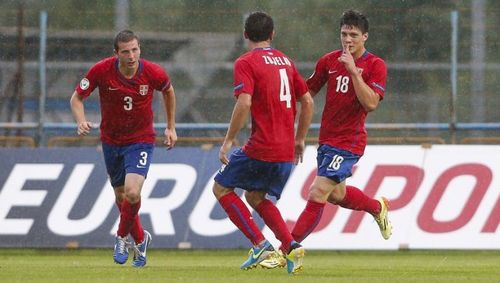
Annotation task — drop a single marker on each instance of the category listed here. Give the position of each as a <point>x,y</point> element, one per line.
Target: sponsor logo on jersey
<point>143,89</point>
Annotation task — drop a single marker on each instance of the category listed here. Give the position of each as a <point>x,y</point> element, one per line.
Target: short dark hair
<point>124,36</point>
<point>355,19</point>
<point>259,26</point>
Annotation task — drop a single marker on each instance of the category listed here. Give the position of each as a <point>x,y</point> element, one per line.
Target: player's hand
<point>224,149</point>
<point>84,128</point>
<point>299,151</point>
<point>347,59</point>
<point>170,138</point>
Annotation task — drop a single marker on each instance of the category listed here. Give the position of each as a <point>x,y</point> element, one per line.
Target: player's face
<point>353,38</point>
<point>128,54</point>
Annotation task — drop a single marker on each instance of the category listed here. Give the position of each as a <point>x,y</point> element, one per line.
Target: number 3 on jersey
<point>285,94</point>
<point>127,103</point>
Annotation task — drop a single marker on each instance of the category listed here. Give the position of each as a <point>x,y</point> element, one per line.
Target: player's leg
<point>235,174</point>
<point>115,169</point>
<point>310,216</point>
<point>273,177</point>
<point>355,199</point>
<point>137,161</point>
<point>131,205</point>
<point>293,252</point>
<point>273,219</point>
<point>241,217</point>
<point>334,166</point>
<point>119,198</point>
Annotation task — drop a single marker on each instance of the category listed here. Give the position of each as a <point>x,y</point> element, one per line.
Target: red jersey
<point>274,83</point>
<point>126,104</point>
<point>343,120</point>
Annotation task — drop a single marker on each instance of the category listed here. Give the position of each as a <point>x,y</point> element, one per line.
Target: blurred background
<point>443,62</point>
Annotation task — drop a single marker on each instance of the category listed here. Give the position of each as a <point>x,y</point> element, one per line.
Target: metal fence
<point>440,86</point>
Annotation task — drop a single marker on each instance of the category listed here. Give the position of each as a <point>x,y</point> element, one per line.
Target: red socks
<point>357,200</point>
<point>273,219</point>
<point>130,222</point>
<point>308,220</point>
<point>240,215</point>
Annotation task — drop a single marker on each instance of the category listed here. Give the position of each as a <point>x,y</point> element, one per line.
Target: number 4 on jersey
<point>285,94</point>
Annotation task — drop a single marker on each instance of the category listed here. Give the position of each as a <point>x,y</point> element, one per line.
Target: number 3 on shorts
<point>336,161</point>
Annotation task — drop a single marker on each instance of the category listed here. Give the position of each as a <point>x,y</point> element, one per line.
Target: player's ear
<point>272,35</point>
<point>245,35</point>
<point>365,36</point>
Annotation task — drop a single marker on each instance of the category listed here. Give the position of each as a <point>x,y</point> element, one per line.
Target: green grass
<point>89,265</point>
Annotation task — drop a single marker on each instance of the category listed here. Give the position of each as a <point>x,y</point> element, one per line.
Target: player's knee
<point>317,194</point>
<point>253,199</point>
<point>335,197</point>
<point>219,191</point>
<point>132,195</point>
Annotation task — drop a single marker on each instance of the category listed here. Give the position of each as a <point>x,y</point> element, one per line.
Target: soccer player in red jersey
<point>126,85</point>
<point>267,85</point>
<point>355,80</point>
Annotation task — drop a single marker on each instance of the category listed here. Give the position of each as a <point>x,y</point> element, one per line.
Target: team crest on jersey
<point>84,84</point>
<point>143,89</point>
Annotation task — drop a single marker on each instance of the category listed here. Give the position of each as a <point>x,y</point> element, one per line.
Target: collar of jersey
<point>137,74</point>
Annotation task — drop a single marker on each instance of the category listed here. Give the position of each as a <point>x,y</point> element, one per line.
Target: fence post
<point>43,76</point>
<point>453,75</point>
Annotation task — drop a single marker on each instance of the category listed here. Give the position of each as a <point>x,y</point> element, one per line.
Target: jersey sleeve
<point>90,81</point>
<point>319,77</point>
<point>378,77</point>
<point>161,79</point>
<point>243,78</point>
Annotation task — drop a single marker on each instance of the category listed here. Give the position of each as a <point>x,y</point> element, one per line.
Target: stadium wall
<point>442,197</point>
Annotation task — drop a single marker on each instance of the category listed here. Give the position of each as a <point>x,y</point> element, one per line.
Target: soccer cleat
<point>382,219</point>
<point>256,255</point>
<point>294,258</point>
<point>140,251</point>
<point>120,254</point>
<point>275,260</point>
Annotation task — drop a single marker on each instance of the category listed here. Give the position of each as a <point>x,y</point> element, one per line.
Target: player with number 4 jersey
<point>126,85</point>
<point>267,86</point>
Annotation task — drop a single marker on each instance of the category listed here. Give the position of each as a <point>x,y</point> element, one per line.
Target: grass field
<point>89,265</point>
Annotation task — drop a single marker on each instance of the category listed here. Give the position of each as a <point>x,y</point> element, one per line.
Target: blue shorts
<point>254,175</point>
<point>335,164</point>
<point>121,160</point>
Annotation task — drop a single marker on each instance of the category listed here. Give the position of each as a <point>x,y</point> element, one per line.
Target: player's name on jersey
<point>276,60</point>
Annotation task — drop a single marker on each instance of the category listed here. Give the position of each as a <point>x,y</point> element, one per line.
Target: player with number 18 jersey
<point>343,120</point>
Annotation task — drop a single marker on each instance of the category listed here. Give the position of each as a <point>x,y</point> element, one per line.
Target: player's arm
<point>169,106</point>
<point>305,117</point>
<point>368,98</point>
<point>238,119</point>
<point>78,109</point>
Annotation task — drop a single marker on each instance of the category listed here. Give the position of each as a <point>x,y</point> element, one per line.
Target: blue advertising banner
<point>59,197</point>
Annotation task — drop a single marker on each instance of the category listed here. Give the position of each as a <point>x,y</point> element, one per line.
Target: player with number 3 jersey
<point>126,85</point>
